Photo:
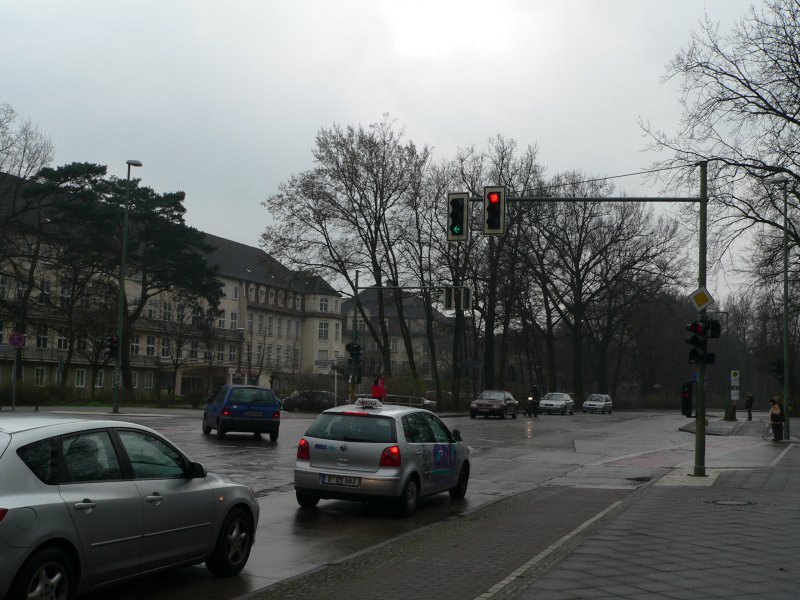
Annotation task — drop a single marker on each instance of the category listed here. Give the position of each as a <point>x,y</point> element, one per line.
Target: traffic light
<point>777,368</point>
<point>686,399</point>
<point>494,210</point>
<point>699,341</point>
<point>112,345</point>
<point>458,217</point>
<point>713,327</point>
<point>447,298</point>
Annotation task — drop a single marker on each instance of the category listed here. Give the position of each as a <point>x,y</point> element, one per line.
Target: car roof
<point>385,410</point>
<point>59,425</point>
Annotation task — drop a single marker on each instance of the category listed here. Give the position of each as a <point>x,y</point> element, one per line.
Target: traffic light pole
<point>700,429</point>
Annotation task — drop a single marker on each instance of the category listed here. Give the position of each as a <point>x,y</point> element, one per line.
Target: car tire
<point>220,431</point>
<point>407,502</point>
<point>503,414</point>
<point>571,411</point>
<point>609,411</point>
<point>233,544</point>
<point>306,499</point>
<point>514,414</point>
<point>458,492</point>
<point>273,436</point>
<point>206,426</point>
<point>564,410</point>
<point>49,568</point>
<point>471,415</point>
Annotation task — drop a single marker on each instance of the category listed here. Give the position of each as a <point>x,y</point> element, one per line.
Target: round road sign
<point>17,340</point>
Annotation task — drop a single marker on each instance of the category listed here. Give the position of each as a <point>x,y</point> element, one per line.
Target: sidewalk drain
<point>733,502</point>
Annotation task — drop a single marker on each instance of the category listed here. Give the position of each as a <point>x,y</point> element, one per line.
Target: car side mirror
<point>196,470</point>
<point>457,435</point>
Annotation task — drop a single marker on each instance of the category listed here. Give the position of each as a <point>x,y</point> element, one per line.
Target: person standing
<point>776,420</point>
<point>748,404</point>
<point>378,390</point>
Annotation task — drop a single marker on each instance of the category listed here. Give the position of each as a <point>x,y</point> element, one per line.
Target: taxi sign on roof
<point>368,403</point>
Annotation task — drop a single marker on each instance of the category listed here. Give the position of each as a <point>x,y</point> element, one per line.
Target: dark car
<point>494,402</point>
<point>246,408</point>
<point>310,401</point>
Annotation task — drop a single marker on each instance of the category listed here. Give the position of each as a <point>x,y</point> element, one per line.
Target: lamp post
<point>785,182</point>
<point>116,384</point>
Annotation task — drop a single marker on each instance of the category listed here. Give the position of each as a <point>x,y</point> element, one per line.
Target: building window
<point>134,379</point>
<point>259,354</point>
<point>269,354</point>
<point>269,327</point>
<point>64,299</point>
<point>261,324</point>
<point>41,336</point>
<point>98,383</point>
<point>250,323</point>
<point>220,352</point>
<point>289,301</point>
<point>323,304</point>
<point>280,327</point>
<point>288,358</point>
<point>297,330</point>
<point>80,378</point>
<point>297,302</point>
<point>44,293</point>
<point>280,298</point>
<point>236,292</point>
<point>296,358</point>
<point>181,313</point>
<point>323,330</point>
<point>38,376</point>
<point>251,293</point>
<point>289,328</point>
<point>277,356</point>
<point>392,344</point>
<point>337,327</point>
<point>150,347</point>
<point>134,345</point>
<point>232,353</point>
<point>222,292</point>
<point>360,325</point>
<point>336,305</point>
<point>148,380</point>
<point>234,319</point>
<point>197,316</point>
<point>221,319</point>
<point>271,296</point>
<point>195,348</point>
<point>152,308</point>
<point>322,355</point>
<point>167,311</point>
<point>165,348</point>
<point>63,341</point>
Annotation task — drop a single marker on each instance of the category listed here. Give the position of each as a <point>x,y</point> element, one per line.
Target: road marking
<point>514,576</point>
<point>780,456</point>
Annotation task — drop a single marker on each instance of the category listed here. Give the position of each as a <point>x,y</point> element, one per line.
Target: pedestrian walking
<point>748,404</point>
<point>378,390</point>
<point>776,419</point>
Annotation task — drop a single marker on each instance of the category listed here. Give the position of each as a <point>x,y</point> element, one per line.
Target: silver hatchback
<point>85,504</point>
<point>372,451</point>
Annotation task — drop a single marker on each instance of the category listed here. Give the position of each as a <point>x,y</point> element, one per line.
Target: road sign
<point>701,298</point>
<point>734,378</point>
<point>17,340</point>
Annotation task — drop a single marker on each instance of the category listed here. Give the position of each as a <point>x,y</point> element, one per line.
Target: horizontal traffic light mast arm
<point>592,199</point>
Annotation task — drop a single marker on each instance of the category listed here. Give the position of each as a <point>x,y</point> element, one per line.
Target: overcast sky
<point>223,99</point>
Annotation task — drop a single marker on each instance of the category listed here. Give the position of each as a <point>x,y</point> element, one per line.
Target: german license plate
<point>253,413</point>
<point>340,480</point>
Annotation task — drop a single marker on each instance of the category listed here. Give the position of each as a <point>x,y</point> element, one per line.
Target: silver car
<point>85,504</point>
<point>598,403</point>
<point>557,402</point>
<point>372,451</point>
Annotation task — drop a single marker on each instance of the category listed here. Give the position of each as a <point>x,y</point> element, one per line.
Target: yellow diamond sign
<point>701,298</point>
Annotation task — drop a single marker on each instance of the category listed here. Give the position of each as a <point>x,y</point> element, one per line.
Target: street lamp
<point>121,302</point>
<point>785,182</point>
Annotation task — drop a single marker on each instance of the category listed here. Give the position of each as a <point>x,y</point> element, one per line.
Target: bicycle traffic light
<point>494,210</point>
<point>458,217</point>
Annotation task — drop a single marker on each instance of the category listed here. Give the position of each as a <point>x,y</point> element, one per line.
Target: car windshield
<point>252,396</point>
<point>350,427</point>
<point>491,395</point>
<point>556,397</point>
<point>597,398</point>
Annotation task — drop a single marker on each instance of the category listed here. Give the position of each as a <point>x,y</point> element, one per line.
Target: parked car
<point>310,401</point>
<point>598,403</point>
<point>369,451</point>
<point>494,402</point>
<point>99,502</point>
<point>557,402</point>
<point>246,408</point>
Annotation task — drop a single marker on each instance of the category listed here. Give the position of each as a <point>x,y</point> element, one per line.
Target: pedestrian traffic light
<point>494,210</point>
<point>686,399</point>
<point>458,217</point>
<point>448,299</point>
<point>699,354</point>
<point>112,344</point>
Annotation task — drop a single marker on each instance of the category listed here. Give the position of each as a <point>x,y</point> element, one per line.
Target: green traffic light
<point>456,229</point>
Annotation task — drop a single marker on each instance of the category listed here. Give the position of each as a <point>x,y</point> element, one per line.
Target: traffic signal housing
<point>458,217</point>
<point>700,332</point>
<point>494,210</point>
<point>112,344</point>
<point>686,399</point>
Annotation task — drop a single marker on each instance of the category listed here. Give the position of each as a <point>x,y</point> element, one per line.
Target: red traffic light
<point>493,197</point>
<point>698,327</point>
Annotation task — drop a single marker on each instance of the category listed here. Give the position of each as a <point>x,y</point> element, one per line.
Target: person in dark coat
<point>776,419</point>
<point>748,404</point>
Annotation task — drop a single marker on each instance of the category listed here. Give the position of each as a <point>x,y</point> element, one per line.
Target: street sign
<point>701,298</point>
<point>734,378</point>
<point>17,340</point>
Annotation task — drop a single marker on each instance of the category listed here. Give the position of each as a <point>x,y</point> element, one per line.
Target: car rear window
<point>252,396</point>
<point>347,427</point>
<point>492,395</point>
<point>42,459</point>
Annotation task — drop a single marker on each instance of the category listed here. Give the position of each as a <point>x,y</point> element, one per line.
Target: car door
<point>420,441</point>
<point>444,453</point>
<point>178,510</point>
<point>105,509</point>
<point>215,404</point>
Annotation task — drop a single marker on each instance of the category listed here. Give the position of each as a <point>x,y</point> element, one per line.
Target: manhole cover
<point>732,502</point>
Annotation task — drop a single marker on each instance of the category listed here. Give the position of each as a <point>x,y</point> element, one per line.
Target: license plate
<point>340,480</point>
<point>253,413</point>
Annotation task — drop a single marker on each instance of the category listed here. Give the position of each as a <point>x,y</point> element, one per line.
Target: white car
<point>557,402</point>
<point>598,403</point>
<point>95,503</point>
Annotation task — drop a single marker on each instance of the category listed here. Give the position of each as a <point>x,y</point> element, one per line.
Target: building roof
<point>413,307</point>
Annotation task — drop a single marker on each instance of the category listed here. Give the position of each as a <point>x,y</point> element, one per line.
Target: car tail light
<point>303,449</point>
<point>3,513</point>
<point>276,414</point>
<point>226,412</point>
<point>391,457</point>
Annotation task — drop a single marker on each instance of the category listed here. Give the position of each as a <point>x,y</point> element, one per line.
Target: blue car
<point>245,408</point>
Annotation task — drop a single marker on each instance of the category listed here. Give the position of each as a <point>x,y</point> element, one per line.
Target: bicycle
<point>766,433</point>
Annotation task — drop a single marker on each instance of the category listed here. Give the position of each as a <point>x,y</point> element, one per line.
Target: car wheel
<point>220,430</point>
<point>471,415</point>
<point>503,414</point>
<point>514,414</point>
<point>564,410</point>
<point>233,544</point>
<point>46,574</point>
<point>572,411</point>
<point>273,436</point>
<point>458,492</point>
<point>206,426</point>
<point>407,502</point>
<point>306,499</point>
<point>609,411</point>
